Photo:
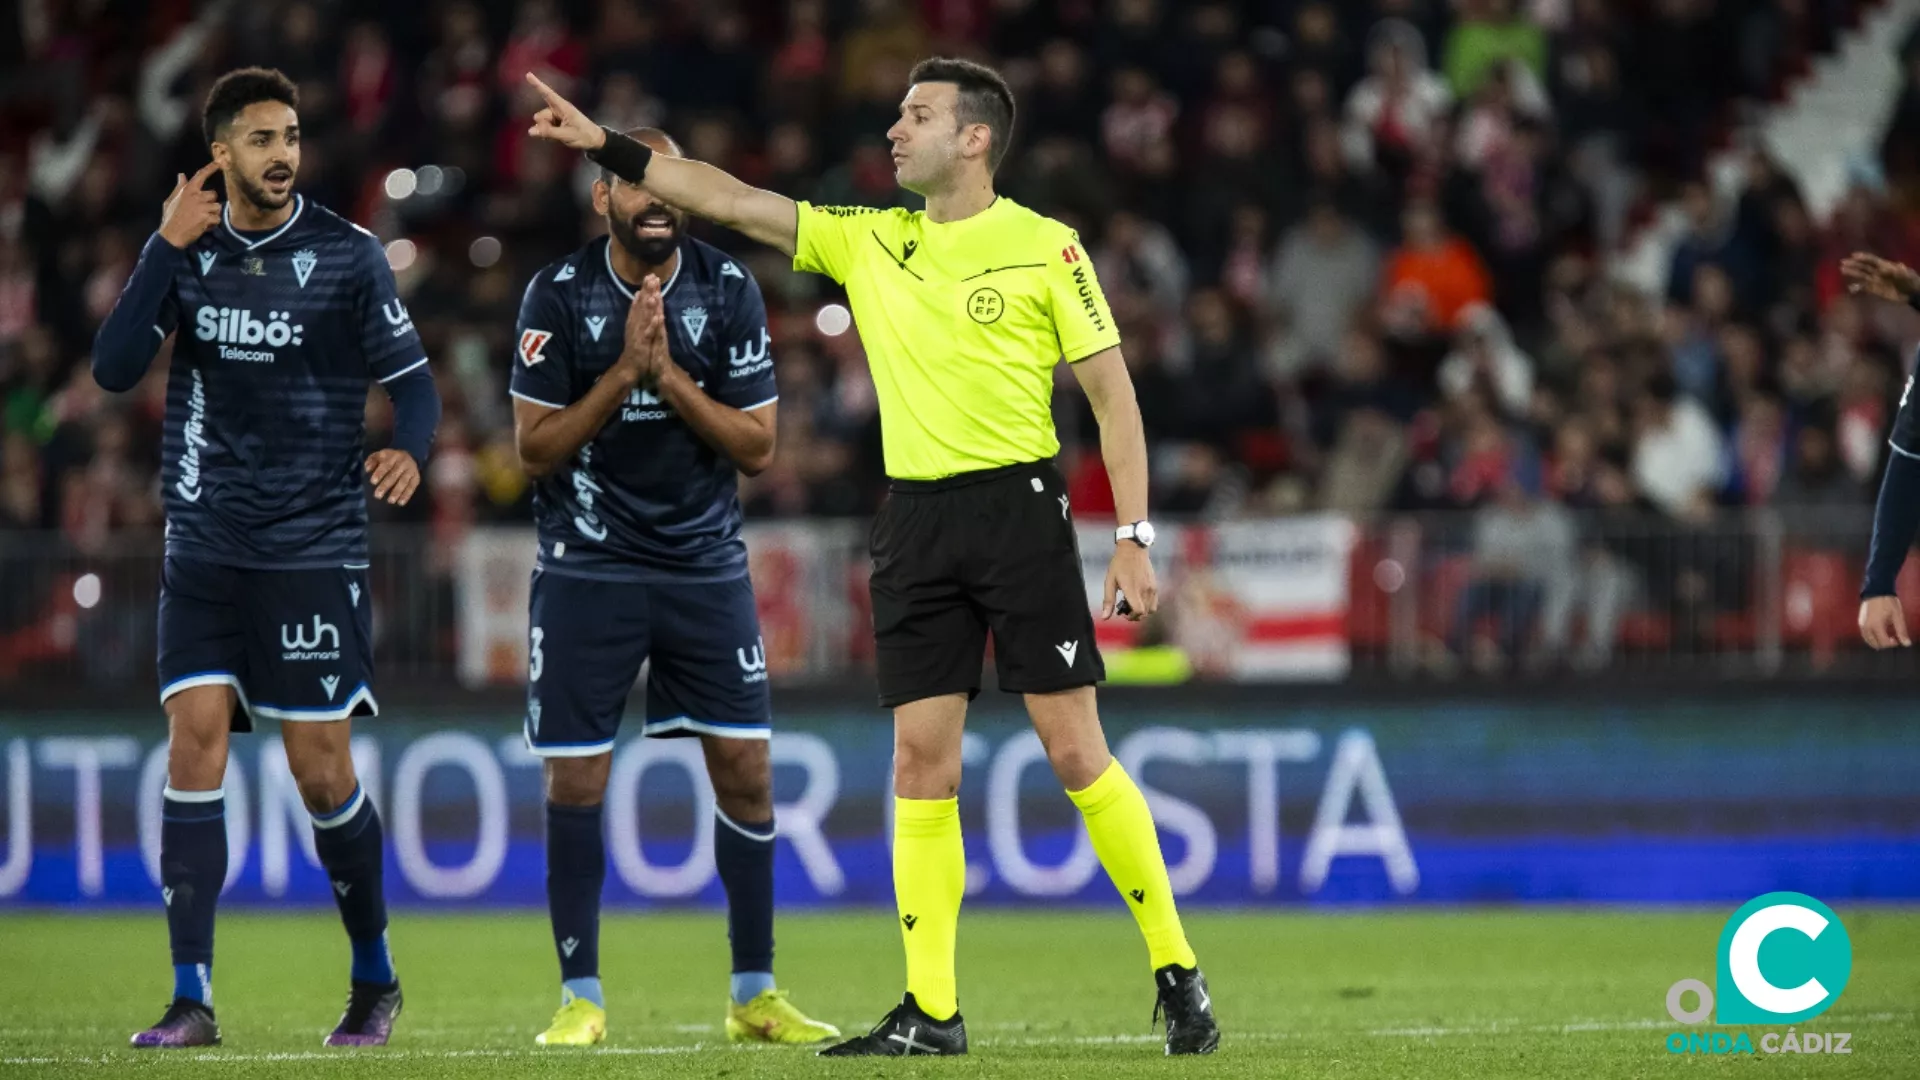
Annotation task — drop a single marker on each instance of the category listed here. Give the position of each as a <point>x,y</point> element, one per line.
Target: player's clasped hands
<point>394,474</point>
<point>190,210</point>
<point>1883,622</point>
<point>646,335</point>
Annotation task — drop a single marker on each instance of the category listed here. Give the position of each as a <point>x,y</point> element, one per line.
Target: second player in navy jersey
<point>648,498</point>
<point>643,384</point>
<point>281,314</point>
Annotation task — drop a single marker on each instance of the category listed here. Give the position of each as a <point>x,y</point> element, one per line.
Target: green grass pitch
<point>1466,993</point>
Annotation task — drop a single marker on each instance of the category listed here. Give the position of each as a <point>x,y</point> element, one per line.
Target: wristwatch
<point>1140,532</point>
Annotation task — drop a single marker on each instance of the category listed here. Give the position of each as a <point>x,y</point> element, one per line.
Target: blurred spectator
<point>1432,277</point>
<point>1521,546</point>
<point>1489,33</point>
<point>1365,464</point>
<point>1395,114</point>
<point>1139,258</point>
<point>1679,460</point>
<point>1140,118</point>
<point>1324,277</point>
<point>888,32</point>
<point>1486,360</point>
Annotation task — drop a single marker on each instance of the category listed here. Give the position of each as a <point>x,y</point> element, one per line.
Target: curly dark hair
<point>984,98</point>
<point>236,90</point>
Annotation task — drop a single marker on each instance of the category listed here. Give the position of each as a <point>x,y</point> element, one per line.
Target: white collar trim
<point>226,218</point>
<point>618,283</point>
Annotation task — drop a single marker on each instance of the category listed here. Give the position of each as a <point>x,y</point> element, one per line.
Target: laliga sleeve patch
<point>532,342</point>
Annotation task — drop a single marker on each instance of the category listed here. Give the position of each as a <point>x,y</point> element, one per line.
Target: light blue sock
<point>373,961</point>
<point>194,981</point>
<point>748,985</point>
<point>583,988</point>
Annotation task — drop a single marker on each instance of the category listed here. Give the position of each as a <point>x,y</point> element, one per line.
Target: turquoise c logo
<point>1783,958</point>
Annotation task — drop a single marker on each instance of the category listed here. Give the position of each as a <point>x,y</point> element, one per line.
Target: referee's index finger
<point>553,98</point>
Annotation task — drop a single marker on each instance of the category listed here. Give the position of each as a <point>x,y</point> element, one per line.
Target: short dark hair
<point>984,98</point>
<point>236,90</point>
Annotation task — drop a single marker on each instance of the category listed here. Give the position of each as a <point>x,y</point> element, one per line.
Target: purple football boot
<point>187,1023</point>
<point>371,1010</point>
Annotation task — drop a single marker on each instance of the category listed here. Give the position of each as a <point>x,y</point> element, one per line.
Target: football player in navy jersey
<point>642,383</point>
<point>281,313</point>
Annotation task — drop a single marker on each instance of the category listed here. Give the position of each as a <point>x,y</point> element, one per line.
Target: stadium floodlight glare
<point>1389,575</point>
<point>86,590</point>
<point>484,252</point>
<point>401,253</point>
<point>833,320</point>
<point>428,179</point>
<point>401,183</point>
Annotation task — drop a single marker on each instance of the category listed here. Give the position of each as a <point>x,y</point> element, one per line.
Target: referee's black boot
<point>904,1032</point>
<point>1184,1002</point>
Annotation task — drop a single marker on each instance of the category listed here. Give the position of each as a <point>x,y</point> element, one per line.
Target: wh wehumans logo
<point>299,646</point>
<point>753,663</point>
<point>1783,958</point>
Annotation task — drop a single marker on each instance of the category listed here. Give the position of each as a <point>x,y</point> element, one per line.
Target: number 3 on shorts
<point>535,659</point>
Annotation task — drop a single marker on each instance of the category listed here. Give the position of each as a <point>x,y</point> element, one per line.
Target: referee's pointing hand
<point>561,122</point>
<point>1131,572</point>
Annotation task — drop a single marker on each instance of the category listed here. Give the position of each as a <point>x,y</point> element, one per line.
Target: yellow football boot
<point>578,1023</point>
<point>771,1018</point>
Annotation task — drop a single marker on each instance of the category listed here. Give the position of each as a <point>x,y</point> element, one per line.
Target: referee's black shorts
<point>990,550</point>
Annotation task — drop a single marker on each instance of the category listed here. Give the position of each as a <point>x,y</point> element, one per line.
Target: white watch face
<point>1143,532</point>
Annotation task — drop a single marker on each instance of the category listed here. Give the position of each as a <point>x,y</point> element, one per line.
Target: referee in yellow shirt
<point>964,310</point>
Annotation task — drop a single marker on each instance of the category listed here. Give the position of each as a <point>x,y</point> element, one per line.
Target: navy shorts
<point>587,639</point>
<point>294,644</point>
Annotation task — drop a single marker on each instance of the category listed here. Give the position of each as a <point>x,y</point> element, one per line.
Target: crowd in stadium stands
<point>1357,249</point>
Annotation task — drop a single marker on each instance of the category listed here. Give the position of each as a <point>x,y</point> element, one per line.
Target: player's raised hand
<point>1875,276</point>
<point>395,475</point>
<point>1883,622</point>
<point>561,122</point>
<point>191,209</point>
<point>1131,575</point>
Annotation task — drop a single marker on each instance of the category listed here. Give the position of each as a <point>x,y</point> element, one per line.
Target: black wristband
<point>623,156</point>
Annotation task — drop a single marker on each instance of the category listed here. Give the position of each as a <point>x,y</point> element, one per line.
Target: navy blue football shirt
<point>278,337</point>
<point>647,499</point>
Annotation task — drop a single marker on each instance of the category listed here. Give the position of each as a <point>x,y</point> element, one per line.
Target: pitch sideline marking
<point>1568,1027</point>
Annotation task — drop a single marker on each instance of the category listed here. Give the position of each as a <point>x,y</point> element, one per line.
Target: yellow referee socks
<point>1121,828</point>
<point>929,881</point>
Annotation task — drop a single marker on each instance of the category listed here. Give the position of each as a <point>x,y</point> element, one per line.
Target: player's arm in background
<point>398,361</point>
<point>1896,516</point>
<point>738,417</point>
<point>693,186</point>
<point>1090,343</point>
<point>144,315</point>
<point>548,429</point>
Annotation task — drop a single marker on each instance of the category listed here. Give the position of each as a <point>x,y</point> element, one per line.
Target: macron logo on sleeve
<point>532,342</point>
